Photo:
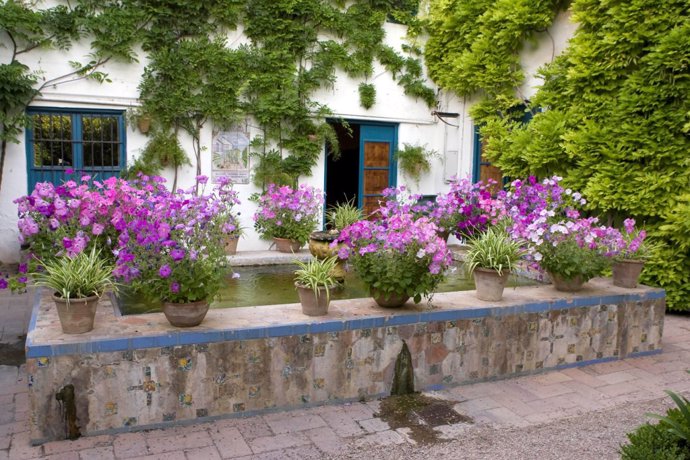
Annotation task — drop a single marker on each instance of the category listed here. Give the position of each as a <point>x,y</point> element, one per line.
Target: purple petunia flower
<point>174,287</point>
<point>165,271</point>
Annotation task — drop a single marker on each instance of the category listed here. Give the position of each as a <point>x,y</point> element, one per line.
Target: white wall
<point>416,123</point>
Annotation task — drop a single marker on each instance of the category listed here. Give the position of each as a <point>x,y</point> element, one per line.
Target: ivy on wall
<point>616,110</point>
<point>193,76</point>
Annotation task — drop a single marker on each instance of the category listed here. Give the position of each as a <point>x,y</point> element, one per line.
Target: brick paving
<point>333,430</point>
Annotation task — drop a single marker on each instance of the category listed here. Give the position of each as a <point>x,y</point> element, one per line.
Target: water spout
<point>403,380</point>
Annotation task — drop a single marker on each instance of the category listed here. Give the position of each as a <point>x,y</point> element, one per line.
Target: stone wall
<point>217,376</point>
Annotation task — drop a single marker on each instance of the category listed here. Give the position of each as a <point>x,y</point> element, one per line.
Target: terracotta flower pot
<point>390,301</point>
<point>185,314</point>
<point>231,245</point>
<point>567,285</point>
<point>626,273</point>
<point>287,245</point>
<point>76,315</point>
<point>489,284</point>
<point>311,304</point>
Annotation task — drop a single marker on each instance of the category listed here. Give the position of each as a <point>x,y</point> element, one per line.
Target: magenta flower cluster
<point>153,235</point>
<point>289,213</point>
<point>172,247</point>
<point>467,208</point>
<point>397,253</point>
<point>545,215</point>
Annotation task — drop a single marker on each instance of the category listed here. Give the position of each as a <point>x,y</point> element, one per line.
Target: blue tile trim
<point>386,319</point>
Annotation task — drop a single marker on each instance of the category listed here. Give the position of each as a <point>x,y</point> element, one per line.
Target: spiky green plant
<point>343,214</point>
<point>493,250</point>
<point>83,275</point>
<point>316,274</point>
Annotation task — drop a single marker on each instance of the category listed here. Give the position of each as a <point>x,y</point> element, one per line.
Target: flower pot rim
<point>630,261</point>
<point>180,304</point>
<point>490,270</point>
<point>324,235</point>
<point>59,298</point>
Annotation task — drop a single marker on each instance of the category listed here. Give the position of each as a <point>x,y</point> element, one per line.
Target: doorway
<point>366,165</point>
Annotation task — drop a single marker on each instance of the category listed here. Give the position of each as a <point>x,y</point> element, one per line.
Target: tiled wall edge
<point>188,337</point>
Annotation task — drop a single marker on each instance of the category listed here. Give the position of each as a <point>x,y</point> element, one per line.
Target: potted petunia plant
<point>397,257</point>
<point>288,215</point>
<point>173,250</point>
<point>629,249</point>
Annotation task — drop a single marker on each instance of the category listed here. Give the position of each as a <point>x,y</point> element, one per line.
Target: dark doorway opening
<point>342,175</point>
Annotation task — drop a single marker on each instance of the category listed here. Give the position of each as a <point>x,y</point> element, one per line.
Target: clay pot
<point>565,285</point>
<point>313,305</point>
<point>392,301</point>
<point>490,284</point>
<point>76,315</point>
<point>626,273</point>
<point>144,124</point>
<point>185,314</point>
<point>287,245</point>
<point>231,245</point>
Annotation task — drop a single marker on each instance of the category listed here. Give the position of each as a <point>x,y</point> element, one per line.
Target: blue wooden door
<point>377,167</point>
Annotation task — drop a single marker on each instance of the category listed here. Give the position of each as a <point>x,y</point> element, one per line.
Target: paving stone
<point>325,439</point>
<point>178,455</point>
<point>129,445</point>
<point>253,427</point>
<point>286,422</point>
<point>280,441</point>
<point>374,425</point>
<point>341,423</point>
<point>97,453</point>
<point>160,444</point>
<point>358,411</point>
<point>85,442</point>
<point>551,378</point>
<point>205,453</point>
<point>21,449</point>
<point>63,456</point>
<point>229,441</point>
<point>619,389</point>
<point>476,405</point>
<point>617,377</point>
<point>382,438</point>
<point>506,416</point>
<point>578,375</point>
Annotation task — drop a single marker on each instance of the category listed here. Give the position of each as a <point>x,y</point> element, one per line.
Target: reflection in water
<point>274,284</point>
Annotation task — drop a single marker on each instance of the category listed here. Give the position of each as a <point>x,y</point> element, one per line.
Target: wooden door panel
<point>376,154</point>
<point>375,181</point>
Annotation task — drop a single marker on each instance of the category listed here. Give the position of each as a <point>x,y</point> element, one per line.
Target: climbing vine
<point>473,50</point>
<point>614,117</point>
<point>195,76</point>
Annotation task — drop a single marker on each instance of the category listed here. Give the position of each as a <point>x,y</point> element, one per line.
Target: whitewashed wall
<point>416,123</point>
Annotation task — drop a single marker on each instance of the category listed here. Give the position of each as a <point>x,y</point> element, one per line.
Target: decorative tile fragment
<point>110,408</point>
<point>320,350</point>
<point>254,391</point>
<point>43,361</point>
<point>184,364</point>
<point>202,413</point>
<point>185,399</point>
<point>238,407</point>
<point>129,421</point>
<point>169,417</point>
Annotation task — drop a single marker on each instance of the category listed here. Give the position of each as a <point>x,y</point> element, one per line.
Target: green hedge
<point>656,442</point>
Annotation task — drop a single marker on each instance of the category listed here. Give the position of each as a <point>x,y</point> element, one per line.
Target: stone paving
<point>332,430</point>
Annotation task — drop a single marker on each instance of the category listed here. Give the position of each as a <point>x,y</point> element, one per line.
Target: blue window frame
<point>87,141</point>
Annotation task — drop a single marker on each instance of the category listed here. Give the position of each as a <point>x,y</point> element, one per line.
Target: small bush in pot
<point>314,281</point>
<point>343,214</point>
<point>630,250</point>
<point>78,282</point>
<point>491,257</point>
